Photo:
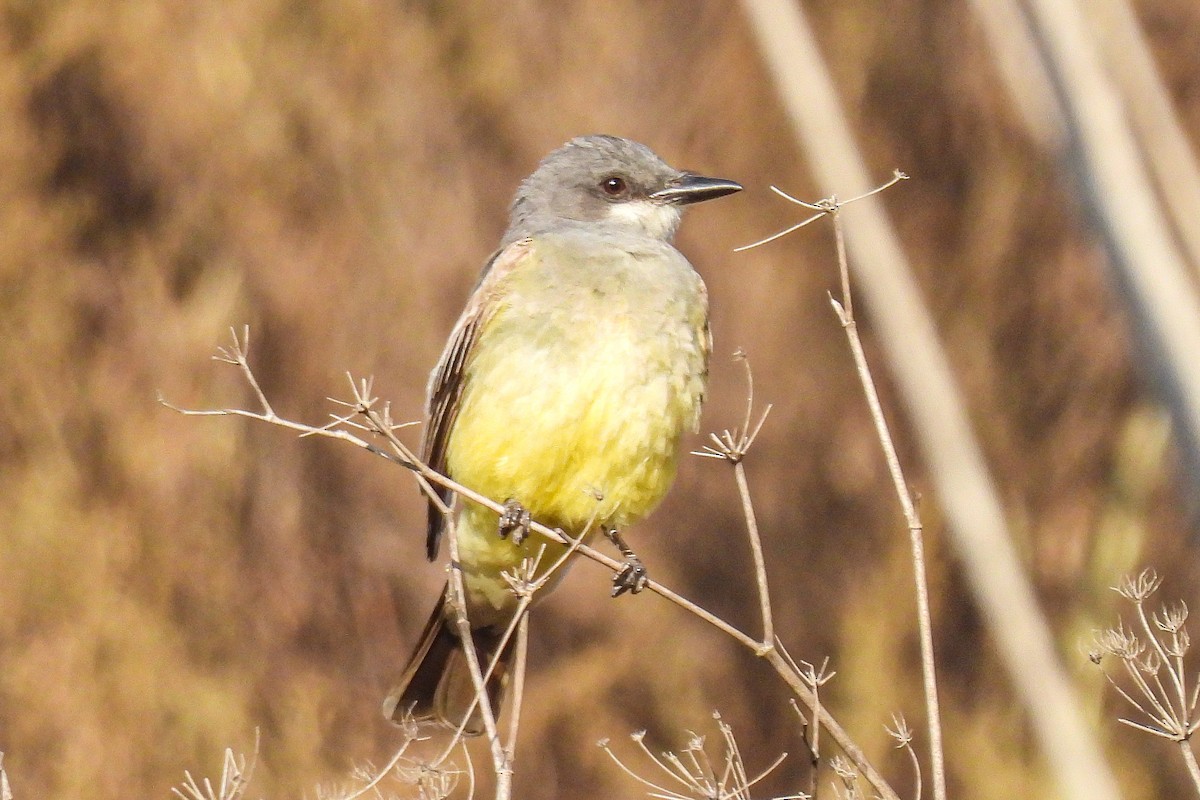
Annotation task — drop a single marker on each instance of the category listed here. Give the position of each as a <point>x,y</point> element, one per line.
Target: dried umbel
<point>1151,652</point>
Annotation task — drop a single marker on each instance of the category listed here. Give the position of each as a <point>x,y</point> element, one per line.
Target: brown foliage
<point>334,174</point>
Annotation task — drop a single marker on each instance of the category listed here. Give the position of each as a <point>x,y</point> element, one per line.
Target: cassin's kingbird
<point>578,363</point>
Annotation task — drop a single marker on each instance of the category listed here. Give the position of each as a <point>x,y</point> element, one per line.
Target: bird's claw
<point>514,522</point>
<point>632,578</point>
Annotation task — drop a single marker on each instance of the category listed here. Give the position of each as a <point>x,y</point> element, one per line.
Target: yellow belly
<point>570,448</point>
<point>581,454</point>
<point>574,401</point>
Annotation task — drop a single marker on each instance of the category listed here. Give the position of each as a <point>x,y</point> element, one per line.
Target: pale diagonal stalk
<point>971,503</point>
<point>845,312</point>
<point>1152,115</point>
<point>1115,183</point>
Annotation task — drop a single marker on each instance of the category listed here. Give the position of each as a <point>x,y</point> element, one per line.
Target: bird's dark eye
<point>613,186</point>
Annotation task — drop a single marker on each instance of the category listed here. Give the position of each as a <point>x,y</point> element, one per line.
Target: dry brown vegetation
<point>334,174</point>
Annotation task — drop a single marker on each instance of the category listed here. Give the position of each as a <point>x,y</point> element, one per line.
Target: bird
<point>563,392</point>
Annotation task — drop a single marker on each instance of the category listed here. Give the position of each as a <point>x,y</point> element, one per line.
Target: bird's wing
<point>446,382</point>
<point>706,346</point>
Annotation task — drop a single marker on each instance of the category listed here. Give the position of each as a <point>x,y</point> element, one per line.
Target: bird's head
<point>612,182</point>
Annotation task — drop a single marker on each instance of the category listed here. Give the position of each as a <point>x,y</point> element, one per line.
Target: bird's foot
<point>514,522</point>
<point>632,577</point>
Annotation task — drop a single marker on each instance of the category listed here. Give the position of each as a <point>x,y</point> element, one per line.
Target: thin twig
<point>845,312</point>
<point>975,516</point>
<point>915,528</point>
<point>518,692</point>
<point>427,478</point>
<point>822,208</point>
<point>649,784</point>
<point>379,423</point>
<point>760,563</point>
<point>381,774</point>
<point>457,598</point>
<point>904,736</point>
<point>732,447</point>
<point>811,734</point>
<point>525,587</point>
<point>1189,759</point>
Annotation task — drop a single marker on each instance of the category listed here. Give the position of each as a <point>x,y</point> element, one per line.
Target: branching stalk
<point>844,310</point>
<point>378,422</point>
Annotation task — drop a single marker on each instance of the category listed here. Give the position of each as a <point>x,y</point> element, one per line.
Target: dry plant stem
<point>821,716</point>
<point>1116,183</point>
<point>1015,56</point>
<point>1152,114</point>
<point>364,404</point>
<point>1177,673</point>
<point>381,774</point>
<point>732,447</point>
<point>379,424</point>
<point>916,765</point>
<point>518,693</point>
<point>811,734</point>
<point>971,503</point>
<point>900,731</point>
<point>760,564</point>
<point>844,311</point>
<point>457,595</point>
<point>526,589</point>
<point>1189,759</point>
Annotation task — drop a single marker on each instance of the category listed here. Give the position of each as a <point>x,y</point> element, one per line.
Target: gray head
<point>612,182</point>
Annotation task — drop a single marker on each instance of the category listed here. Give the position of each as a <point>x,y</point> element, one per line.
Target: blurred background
<point>334,174</point>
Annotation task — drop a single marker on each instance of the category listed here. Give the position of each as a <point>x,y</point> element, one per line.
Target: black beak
<point>689,188</point>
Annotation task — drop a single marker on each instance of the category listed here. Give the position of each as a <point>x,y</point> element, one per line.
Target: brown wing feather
<point>445,384</point>
<point>706,345</point>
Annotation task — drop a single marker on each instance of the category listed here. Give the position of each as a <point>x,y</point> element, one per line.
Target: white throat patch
<point>657,220</point>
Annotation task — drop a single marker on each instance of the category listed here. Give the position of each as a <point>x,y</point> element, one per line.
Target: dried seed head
<point>1138,589</point>
<point>1120,643</point>
<point>1149,664</point>
<point>842,767</point>
<point>1171,618</point>
<point>900,731</point>
<point>1177,645</point>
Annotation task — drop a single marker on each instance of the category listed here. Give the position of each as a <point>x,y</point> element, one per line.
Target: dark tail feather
<point>436,684</point>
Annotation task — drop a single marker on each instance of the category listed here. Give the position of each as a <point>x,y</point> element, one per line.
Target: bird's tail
<point>436,684</point>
